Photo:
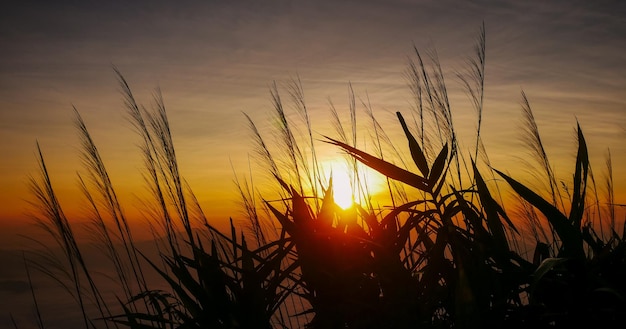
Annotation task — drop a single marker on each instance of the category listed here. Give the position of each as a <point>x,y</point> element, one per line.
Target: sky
<point>216,60</point>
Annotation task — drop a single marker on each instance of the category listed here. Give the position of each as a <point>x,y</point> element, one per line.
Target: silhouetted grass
<point>445,254</point>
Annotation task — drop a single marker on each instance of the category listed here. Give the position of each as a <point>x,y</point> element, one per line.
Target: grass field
<point>448,251</point>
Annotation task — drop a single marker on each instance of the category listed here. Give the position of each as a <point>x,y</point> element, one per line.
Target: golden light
<point>342,188</point>
<point>348,187</point>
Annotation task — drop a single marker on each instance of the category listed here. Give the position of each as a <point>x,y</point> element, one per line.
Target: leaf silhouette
<point>571,237</point>
<point>580,181</point>
<point>416,151</point>
<point>438,165</point>
<point>390,170</point>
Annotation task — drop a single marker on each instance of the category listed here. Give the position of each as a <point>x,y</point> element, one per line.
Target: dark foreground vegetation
<point>444,254</point>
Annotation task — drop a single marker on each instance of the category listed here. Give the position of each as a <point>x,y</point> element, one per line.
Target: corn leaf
<point>416,152</point>
<point>570,237</point>
<point>390,170</point>
<point>580,181</point>
<point>438,166</point>
<point>492,217</point>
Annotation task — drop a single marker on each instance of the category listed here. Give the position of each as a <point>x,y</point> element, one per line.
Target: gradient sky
<point>214,60</point>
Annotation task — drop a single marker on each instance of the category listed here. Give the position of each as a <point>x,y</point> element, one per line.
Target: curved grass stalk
<point>55,222</point>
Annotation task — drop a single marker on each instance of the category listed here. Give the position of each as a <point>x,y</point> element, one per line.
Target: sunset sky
<point>215,60</point>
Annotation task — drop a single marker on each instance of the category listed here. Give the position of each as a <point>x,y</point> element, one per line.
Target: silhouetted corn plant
<point>468,275</point>
<point>210,290</point>
<point>580,282</point>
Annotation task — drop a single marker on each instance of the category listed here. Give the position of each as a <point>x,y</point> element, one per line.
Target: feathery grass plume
<point>106,240</point>
<point>52,218</point>
<point>155,172</point>
<point>296,91</point>
<point>336,122</point>
<point>167,162</point>
<point>107,198</point>
<point>289,144</point>
<point>413,78</point>
<point>420,81</point>
<point>442,109</point>
<point>474,82</point>
<point>427,83</point>
<point>263,155</point>
<point>261,149</point>
<point>292,305</point>
<point>532,140</point>
<point>170,187</point>
<point>164,177</point>
<point>260,228</point>
<point>230,258</point>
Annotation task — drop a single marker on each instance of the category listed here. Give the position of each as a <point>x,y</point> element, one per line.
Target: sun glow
<point>342,188</point>
<point>349,188</point>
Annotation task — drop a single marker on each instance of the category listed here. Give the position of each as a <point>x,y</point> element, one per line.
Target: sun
<point>349,188</point>
<point>342,189</point>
